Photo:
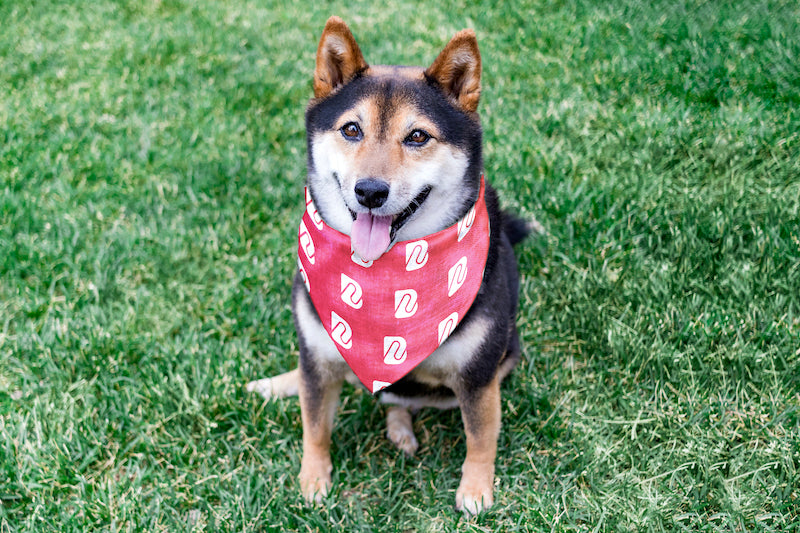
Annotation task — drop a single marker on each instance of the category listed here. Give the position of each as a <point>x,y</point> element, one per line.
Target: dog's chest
<point>443,365</point>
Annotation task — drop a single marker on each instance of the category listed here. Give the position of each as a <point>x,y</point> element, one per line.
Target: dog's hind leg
<point>399,429</point>
<point>281,386</point>
<point>511,357</point>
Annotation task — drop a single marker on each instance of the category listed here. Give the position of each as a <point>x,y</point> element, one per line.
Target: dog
<point>395,157</point>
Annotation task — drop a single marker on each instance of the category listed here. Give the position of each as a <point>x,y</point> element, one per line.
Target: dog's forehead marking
<point>385,115</point>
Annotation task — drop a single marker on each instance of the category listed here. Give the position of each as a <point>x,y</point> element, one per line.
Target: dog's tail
<point>517,229</point>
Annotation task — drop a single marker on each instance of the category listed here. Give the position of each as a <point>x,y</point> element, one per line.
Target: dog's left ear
<point>457,70</point>
<point>339,58</point>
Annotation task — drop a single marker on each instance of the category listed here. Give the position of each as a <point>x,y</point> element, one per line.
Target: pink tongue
<point>370,235</point>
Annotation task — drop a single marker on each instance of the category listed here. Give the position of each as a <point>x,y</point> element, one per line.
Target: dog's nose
<point>371,192</point>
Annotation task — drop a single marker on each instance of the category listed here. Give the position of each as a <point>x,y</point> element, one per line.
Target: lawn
<point>152,158</point>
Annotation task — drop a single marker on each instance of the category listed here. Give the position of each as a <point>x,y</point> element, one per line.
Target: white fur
<point>320,343</point>
<point>456,352</point>
<point>445,174</point>
<point>328,159</point>
<point>335,199</point>
<point>442,366</point>
<point>418,402</point>
<point>281,386</point>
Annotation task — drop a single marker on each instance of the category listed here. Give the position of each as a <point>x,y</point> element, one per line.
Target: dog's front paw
<point>315,479</point>
<point>474,494</point>
<point>473,500</point>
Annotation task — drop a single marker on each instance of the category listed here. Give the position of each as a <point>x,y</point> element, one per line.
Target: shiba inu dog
<point>395,157</point>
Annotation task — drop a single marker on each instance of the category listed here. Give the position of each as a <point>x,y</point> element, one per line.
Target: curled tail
<point>517,229</point>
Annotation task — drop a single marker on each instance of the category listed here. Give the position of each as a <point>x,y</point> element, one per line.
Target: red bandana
<point>386,316</point>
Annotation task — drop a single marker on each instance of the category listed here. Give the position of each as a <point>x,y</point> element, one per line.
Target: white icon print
<point>357,259</point>
<point>394,350</point>
<point>456,276</point>
<point>303,274</point>
<point>379,385</point>
<point>351,292</point>
<point>313,213</point>
<point>465,223</point>
<point>306,243</point>
<point>405,303</point>
<point>416,255</point>
<point>341,331</point>
<point>447,326</point>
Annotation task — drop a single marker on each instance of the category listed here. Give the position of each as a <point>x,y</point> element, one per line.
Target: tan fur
<point>482,424</point>
<point>458,70</point>
<point>338,58</point>
<point>381,152</point>
<point>315,467</point>
<point>400,430</point>
<point>396,71</point>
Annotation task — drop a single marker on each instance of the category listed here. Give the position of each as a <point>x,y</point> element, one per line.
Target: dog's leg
<point>399,429</point>
<point>281,386</point>
<point>512,356</point>
<point>319,398</point>
<point>480,410</point>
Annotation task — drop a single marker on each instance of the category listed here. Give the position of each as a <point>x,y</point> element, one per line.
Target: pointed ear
<point>457,70</point>
<point>338,58</point>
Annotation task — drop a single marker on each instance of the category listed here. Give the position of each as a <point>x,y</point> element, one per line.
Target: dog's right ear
<point>339,58</point>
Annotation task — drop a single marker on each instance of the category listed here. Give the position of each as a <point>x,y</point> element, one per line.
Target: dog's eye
<point>417,138</point>
<point>351,131</point>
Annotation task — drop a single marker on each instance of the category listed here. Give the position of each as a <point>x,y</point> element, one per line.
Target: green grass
<point>152,158</point>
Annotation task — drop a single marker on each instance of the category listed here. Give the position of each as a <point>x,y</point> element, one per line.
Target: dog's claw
<point>473,505</point>
<point>473,498</point>
<point>315,490</point>
<point>315,484</point>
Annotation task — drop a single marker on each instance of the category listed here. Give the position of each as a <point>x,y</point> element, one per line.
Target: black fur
<point>515,228</point>
<point>499,292</point>
<point>497,298</point>
<point>485,346</point>
<point>457,127</point>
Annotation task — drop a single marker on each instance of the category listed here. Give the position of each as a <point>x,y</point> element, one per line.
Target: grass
<point>151,168</point>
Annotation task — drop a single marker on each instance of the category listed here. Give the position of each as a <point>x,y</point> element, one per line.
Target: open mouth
<point>406,213</point>
<point>401,218</point>
<point>371,234</point>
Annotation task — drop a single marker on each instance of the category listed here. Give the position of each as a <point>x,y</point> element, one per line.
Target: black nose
<point>371,192</point>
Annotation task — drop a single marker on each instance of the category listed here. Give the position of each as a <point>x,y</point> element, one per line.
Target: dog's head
<point>394,153</point>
